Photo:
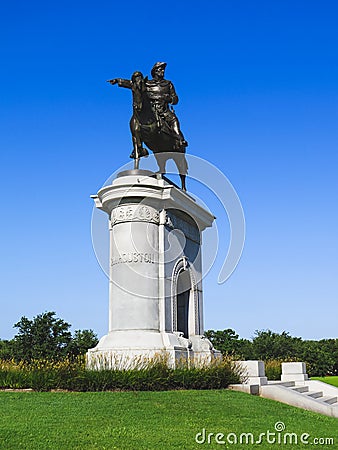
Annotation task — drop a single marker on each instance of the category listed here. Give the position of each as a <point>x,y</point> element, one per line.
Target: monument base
<point>155,275</point>
<point>119,350</point>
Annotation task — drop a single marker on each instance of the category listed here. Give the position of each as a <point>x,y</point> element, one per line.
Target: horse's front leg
<point>138,150</point>
<point>135,136</point>
<point>135,154</point>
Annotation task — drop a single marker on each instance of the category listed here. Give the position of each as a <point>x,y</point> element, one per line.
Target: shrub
<point>273,369</point>
<point>39,375</point>
<point>44,375</point>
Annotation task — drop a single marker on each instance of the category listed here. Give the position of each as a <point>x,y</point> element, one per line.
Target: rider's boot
<point>180,145</point>
<point>144,152</point>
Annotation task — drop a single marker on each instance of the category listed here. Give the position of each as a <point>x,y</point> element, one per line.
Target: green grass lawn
<point>329,380</point>
<point>148,420</point>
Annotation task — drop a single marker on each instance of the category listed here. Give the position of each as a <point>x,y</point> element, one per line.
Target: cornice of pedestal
<point>151,191</point>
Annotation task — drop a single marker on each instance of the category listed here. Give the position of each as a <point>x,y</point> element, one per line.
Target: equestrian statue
<point>154,123</point>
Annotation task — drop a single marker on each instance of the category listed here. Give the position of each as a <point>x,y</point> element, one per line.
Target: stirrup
<point>144,152</point>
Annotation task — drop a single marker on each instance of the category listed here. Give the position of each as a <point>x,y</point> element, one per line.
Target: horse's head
<point>137,79</point>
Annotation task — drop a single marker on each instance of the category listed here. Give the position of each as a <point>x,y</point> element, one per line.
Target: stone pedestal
<point>155,296</point>
<point>254,371</point>
<point>294,371</point>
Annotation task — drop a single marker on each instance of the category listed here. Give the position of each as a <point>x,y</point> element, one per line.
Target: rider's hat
<point>157,65</point>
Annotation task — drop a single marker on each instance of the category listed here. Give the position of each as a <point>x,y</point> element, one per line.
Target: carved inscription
<point>134,213</point>
<point>133,257</point>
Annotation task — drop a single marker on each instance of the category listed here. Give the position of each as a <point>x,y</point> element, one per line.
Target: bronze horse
<point>150,125</point>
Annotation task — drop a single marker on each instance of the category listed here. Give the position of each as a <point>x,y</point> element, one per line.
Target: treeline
<point>46,337</point>
<point>321,357</point>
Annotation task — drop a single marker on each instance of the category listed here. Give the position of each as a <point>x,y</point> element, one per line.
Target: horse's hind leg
<point>182,167</point>
<point>184,188</point>
<point>161,162</point>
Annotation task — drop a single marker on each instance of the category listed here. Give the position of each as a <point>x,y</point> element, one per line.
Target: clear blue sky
<point>258,88</point>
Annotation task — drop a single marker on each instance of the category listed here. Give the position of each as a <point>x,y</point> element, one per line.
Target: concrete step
<point>283,383</point>
<point>301,389</point>
<point>329,400</point>
<point>315,394</point>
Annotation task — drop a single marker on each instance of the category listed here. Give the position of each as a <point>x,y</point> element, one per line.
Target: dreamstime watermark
<point>278,436</point>
<point>141,255</point>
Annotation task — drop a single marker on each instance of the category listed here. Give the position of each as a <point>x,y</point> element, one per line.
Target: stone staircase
<point>315,394</point>
<point>312,395</point>
<point>294,389</point>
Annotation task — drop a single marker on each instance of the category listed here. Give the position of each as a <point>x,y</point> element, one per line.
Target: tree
<point>269,345</point>
<point>319,360</point>
<point>330,347</point>
<point>321,357</point>
<point>228,342</point>
<point>6,349</point>
<point>82,341</point>
<point>43,337</point>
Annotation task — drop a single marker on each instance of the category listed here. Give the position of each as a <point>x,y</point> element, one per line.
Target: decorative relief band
<point>134,213</point>
<point>134,257</point>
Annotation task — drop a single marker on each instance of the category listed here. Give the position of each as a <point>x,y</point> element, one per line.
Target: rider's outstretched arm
<point>124,83</point>
<point>121,82</point>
